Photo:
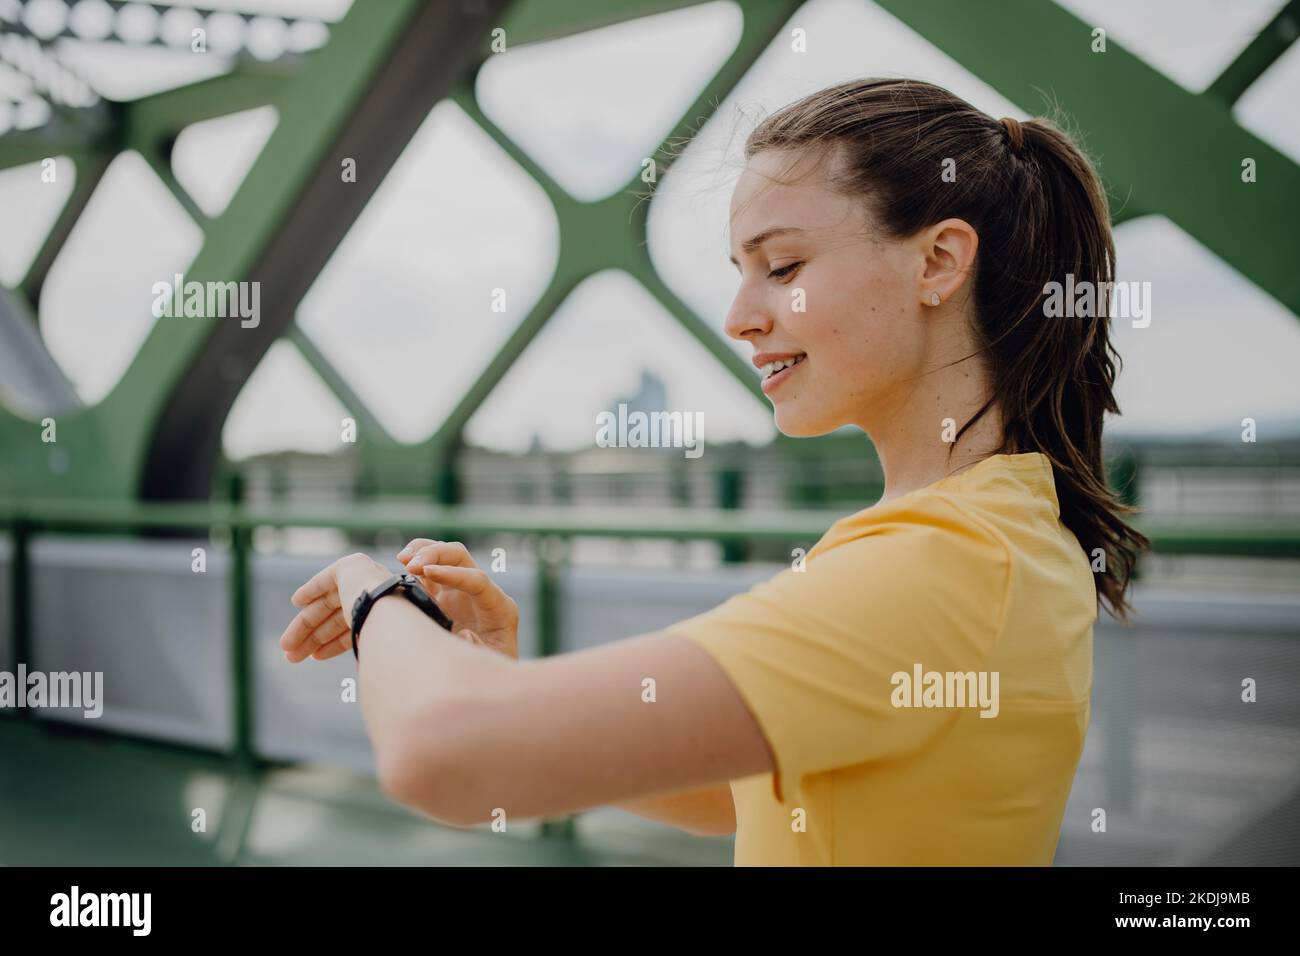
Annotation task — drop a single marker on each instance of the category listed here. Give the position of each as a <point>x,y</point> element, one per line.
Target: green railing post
<point>1125,476</point>
<point>241,643</point>
<point>731,484</point>
<point>549,553</point>
<point>680,492</point>
<point>447,490</point>
<point>20,586</point>
<point>246,779</point>
<point>561,482</point>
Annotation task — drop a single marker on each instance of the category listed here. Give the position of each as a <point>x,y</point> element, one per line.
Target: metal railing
<point>548,530</point>
<point>545,527</point>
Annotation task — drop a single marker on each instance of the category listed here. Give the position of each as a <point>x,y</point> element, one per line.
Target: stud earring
<point>934,298</point>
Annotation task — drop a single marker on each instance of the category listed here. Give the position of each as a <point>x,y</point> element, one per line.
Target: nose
<point>749,315</point>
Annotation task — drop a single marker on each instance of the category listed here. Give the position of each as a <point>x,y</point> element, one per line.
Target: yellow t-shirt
<point>969,594</point>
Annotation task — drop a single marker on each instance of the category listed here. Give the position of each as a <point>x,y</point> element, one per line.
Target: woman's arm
<point>461,732</point>
<point>547,737</point>
<point>708,811</point>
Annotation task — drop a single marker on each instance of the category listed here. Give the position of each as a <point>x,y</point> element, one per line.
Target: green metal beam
<point>142,124</point>
<point>162,168</point>
<point>1177,153</point>
<point>150,120</point>
<point>387,72</point>
<point>1156,151</point>
<point>88,169</point>
<point>38,515</point>
<point>31,146</point>
<point>370,430</point>
<point>118,435</point>
<point>537,21</point>
<point>611,233</point>
<point>1261,53</point>
<point>148,125</point>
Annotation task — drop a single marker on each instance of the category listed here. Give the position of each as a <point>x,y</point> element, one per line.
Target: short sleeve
<point>813,653</point>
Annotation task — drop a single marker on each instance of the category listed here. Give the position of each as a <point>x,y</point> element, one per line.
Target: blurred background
<point>469,244</point>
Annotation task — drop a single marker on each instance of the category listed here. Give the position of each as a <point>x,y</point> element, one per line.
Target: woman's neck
<point>917,441</point>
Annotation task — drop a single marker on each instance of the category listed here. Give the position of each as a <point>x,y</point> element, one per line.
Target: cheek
<point>864,337</point>
<point>859,320</point>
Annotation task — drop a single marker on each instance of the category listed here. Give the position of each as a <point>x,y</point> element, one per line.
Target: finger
<point>324,582</point>
<point>318,616</point>
<point>472,581</point>
<point>308,620</point>
<point>412,546</point>
<point>328,633</point>
<point>441,552</point>
<point>340,645</point>
<point>469,635</point>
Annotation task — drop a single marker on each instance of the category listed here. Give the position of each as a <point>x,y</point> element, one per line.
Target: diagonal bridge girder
<point>1183,138</point>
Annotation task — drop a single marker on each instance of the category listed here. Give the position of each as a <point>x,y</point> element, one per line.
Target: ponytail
<point>1054,375</point>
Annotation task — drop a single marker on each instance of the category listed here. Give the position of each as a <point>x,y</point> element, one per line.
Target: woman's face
<point>815,287</point>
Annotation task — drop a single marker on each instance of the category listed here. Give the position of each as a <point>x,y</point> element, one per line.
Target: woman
<point>918,691</point>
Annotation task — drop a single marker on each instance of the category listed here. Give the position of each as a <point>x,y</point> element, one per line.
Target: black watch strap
<point>408,587</point>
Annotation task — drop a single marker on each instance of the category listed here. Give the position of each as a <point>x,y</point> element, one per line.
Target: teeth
<point>771,368</point>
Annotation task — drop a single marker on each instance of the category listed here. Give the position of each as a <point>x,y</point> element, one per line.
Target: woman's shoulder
<point>979,505</point>
<point>931,555</point>
<point>926,521</point>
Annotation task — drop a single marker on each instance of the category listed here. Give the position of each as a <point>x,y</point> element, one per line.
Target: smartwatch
<point>408,587</point>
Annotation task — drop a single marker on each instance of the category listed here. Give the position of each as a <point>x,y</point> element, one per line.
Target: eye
<point>785,271</point>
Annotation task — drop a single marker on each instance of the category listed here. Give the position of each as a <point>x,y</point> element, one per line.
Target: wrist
<point>404,585</point>
<point>358,574</point>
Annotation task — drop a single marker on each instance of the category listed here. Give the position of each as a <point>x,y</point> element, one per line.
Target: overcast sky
<point>403,306</point>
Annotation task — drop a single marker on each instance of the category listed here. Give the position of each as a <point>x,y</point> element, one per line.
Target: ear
<point>948,249</point>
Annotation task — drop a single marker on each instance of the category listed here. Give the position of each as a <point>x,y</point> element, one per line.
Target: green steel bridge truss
<point>156,435</point>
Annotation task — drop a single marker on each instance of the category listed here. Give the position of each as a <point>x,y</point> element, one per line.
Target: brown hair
<point>1041,213</point>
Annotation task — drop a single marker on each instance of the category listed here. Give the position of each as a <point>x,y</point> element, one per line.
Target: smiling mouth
<point>775,373</point>
<point>775,368</point>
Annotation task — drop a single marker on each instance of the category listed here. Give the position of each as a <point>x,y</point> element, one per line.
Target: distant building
<point>651,396</point>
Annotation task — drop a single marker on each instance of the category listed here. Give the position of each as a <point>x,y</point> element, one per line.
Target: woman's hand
<point>480,611</point>
<point>323,627</point>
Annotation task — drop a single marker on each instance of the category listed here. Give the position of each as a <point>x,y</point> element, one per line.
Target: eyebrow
<point>753,242</point>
